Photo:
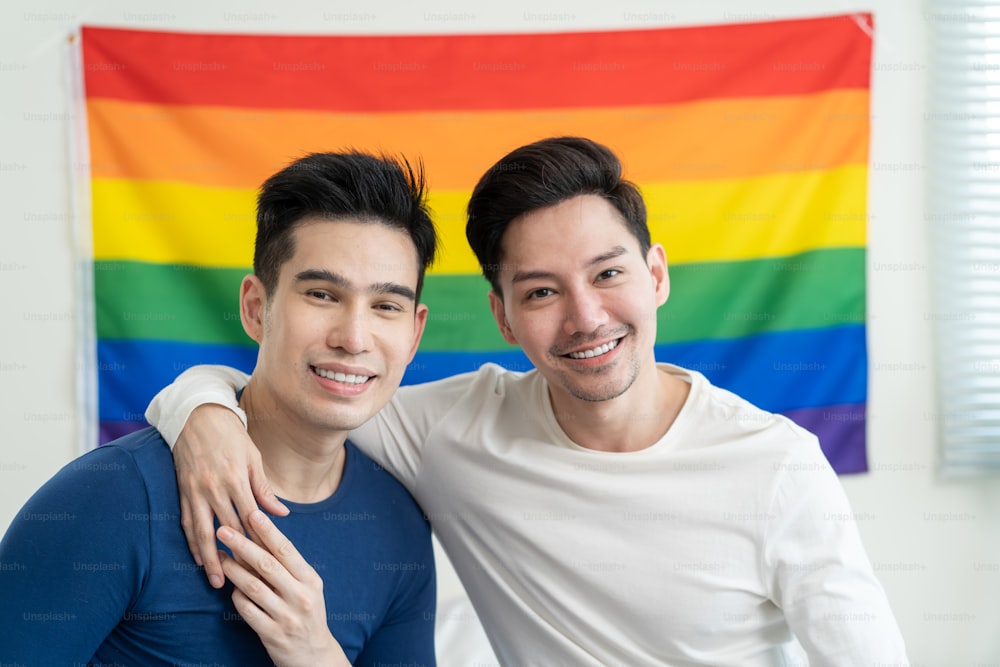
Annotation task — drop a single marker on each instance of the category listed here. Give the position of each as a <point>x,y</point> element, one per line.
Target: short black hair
<point>543,174</point>
<point>332,186</point>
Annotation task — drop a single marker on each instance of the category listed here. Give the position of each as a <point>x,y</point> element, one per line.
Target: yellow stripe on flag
<point>770,216</point>
<point>172,223</point>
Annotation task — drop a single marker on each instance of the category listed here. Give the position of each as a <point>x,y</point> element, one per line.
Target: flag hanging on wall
<point>749,142</point>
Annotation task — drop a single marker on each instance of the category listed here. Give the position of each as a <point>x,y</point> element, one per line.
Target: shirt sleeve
<point>170,408</point>
<point>406,637</point>
<point>818,572</point>
<point>395,437</point>
<point>71,564</point>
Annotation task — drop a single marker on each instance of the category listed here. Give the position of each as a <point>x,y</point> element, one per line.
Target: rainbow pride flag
<point>749,141</point>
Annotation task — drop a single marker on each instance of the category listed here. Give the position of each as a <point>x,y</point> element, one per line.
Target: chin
<point>598,395</point>
<point>597,392</point>
<point>342,422</point>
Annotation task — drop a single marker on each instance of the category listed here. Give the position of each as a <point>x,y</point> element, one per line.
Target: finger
<point>225,512</point>
<point>201,485</point>
<point>226,515</point>
<point>281,547</point>
<point>202,533</point>
<point>262,490</point>
<point>197,520</point>
<point>257,559</point>
<point>255,601</point>
<point>240,503</point>
<point>187,522</point>
<point>254,616</point>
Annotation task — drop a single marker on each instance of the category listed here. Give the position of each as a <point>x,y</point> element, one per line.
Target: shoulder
<point>135,471</point>
<point>142,444</point>
<point>719,417</point>
<point>101,492</point>
<point>112,463</point>
<point>723,404</point>
<point>500,380</point>
<point>476,396</point>
<point>489,379</point>
<point>144,453</point>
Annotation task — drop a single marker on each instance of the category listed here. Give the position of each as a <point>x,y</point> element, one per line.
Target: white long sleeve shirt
<point>713,546</point>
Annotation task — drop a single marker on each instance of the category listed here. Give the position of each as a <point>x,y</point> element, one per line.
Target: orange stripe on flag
<point>717,139</point>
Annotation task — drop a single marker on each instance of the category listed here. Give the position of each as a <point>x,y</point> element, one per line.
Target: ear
<point>419,322</point>
<point>253,303</point>
<point>500,315</point>
<point>656,260</point>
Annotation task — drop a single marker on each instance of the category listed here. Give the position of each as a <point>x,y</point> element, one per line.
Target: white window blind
<point>963,125</point>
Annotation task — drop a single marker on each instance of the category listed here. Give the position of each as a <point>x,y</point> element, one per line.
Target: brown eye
<point>539,293</point>
<point>319,295</point>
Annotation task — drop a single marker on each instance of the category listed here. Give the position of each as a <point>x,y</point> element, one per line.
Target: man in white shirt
<point>602,509</point>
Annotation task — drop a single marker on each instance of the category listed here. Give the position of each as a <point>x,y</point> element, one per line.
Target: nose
<point>585,312</point>
<point>350,331</point>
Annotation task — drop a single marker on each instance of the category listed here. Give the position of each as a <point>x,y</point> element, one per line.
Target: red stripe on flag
<point>475,72</point>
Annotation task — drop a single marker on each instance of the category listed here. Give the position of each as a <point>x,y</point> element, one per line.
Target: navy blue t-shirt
<point>95,568</point>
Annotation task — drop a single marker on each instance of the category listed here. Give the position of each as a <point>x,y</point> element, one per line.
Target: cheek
<point>643,316</point>
<point>532,329</point>
<point>395,338</point>
<point>293,335</point>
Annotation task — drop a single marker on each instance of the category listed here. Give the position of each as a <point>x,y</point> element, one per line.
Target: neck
<point>302,464</point>
<point>635,420</point>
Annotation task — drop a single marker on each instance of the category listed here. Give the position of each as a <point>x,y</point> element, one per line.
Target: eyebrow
<point>614,252</point>
<point>324,275</point>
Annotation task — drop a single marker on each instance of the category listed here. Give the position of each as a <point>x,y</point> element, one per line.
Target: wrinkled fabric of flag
<point>749,142</point>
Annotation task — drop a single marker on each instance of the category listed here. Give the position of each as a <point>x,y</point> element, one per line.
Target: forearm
<point>170,408</point>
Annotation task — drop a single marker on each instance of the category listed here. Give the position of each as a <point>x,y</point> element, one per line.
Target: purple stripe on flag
<point>841,433</point>
<point>110,430</point>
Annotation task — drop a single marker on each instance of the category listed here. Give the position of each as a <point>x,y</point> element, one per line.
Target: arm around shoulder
<point>396,436</point>
<point>172,406</point>
<point>218,466</point>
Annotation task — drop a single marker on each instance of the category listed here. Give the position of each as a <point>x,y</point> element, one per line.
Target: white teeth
<point>595,352</point>
<point>341,377</point>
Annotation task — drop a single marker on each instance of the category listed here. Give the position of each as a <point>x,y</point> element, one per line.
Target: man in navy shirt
<point>95,569</point>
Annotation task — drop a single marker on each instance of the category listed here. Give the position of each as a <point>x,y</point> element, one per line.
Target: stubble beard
<point>606,391</point>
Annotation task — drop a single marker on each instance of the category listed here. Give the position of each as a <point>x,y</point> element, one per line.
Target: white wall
<point>935,544</point>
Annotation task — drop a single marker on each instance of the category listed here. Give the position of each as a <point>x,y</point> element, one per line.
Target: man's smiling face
<point>580,298</point>
<point>341,325</point>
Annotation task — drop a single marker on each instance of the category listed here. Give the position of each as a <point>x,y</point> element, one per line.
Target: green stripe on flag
<point>712,300</point>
